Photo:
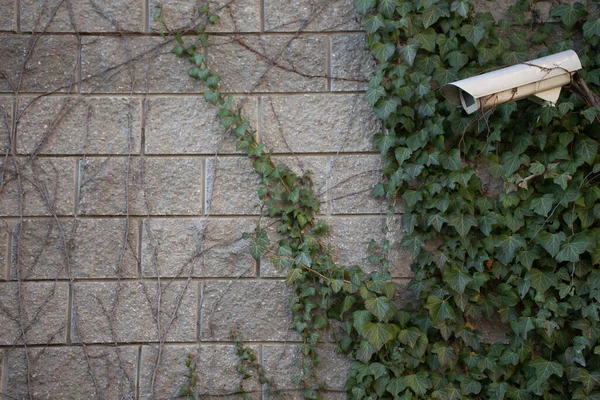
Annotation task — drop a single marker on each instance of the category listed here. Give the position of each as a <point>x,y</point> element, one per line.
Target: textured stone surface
<point>105,312</point>
<point>72,373</point>
<point>197,247</point>
<point>269,63</point>
<point>133,64</point>
<point>46,186</point>
<point>317,123</point>
<point>6,109</point>
<point>4,250</point>
<point>7,17</point>
<point>156,186</point>
<point>230,186</point>
<point>351,64</point>
<point>83,248</point>
<point>282,365</point>
<point>189,125</point>
<point>493,330</point>
<point>79,125</point>
<point>310,15</point>
<point>234,16</point>
<point>41,314</point>
<point>83,15</point>
<point>352,180</point>
<point>258,309</point>
<point>216,372</point>
<point>50,67</point>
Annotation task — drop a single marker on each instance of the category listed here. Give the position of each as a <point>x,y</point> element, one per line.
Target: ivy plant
<point>500,211</point>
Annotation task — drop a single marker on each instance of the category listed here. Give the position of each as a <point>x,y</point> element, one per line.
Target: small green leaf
<point>363,5</point>
<point>432,14</point>
<point>419,382</point>
<point>383,51</point>
<point>587,149</point>
<point>439,309</point>
<point>409,50</point>
<point>569,13</point>
<point>591,28</point>
<point>461,7</point>
<point>541,280</point>
<point>379,333</point>
<point>462,223</point>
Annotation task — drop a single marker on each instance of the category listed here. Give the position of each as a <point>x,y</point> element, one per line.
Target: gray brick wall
<point>123,201</point>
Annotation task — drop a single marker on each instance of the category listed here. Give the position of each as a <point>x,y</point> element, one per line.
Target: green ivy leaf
<point>383,51</point>
<point>408,51</point>
<point>409,336</point>
<point>545,369</point>
<point>569,13</point>
<point>591,28</point>
<point>373,22</point>
<point>439,309</point>
<point>541,280</point>
<point>461,7</point>
<point>457,280</point>
<point>551,242</point>
<point>586,149</point>
<point>473,33</point>
<point>419,382</point>
<point>462,223</point>
<point>378,333</point>
<point>380,307</point>
<point>395,386</point>
<point>457,59</point>
<point>575,246</point>
<point>363,5</point>
<point>432,14</point>
<point>387,7</point>
<point>509,244</point>
<point>426,39</point>
<point>542,205</point>
<point>374,94</point>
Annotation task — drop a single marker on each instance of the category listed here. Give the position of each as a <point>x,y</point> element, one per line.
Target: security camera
<point>540,79</point>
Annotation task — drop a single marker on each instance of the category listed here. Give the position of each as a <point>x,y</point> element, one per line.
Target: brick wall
<point>123,201</point>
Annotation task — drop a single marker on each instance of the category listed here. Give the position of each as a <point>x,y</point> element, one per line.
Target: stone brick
<point>352,181</point>
<point>351,64</point>
<point>83,16</point>
<point>216,372</point>
<point>258,309</point>
<point>79,125</point>
<point>133,63</point>
<point>46,186</point>
<point>189,125</point>
<point>72,373</point>
<point>310,15</point>
<point>492,330</point>
<point>157,186</point>
<point>317,123</point>
<point>282,363</point>
<point>350,238</point>
<point>42,312</point>
<point>231,184</point>
<point>105,312</point>
<point>197,247</point>
<point>7,17</point>
<point>269,63</point>
<point>5,122</point>
<point>50,67</point>
<point>234,16</point>
<point>83,248</point>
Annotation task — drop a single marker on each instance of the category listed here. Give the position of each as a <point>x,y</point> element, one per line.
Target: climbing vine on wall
<point>500,211</point>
